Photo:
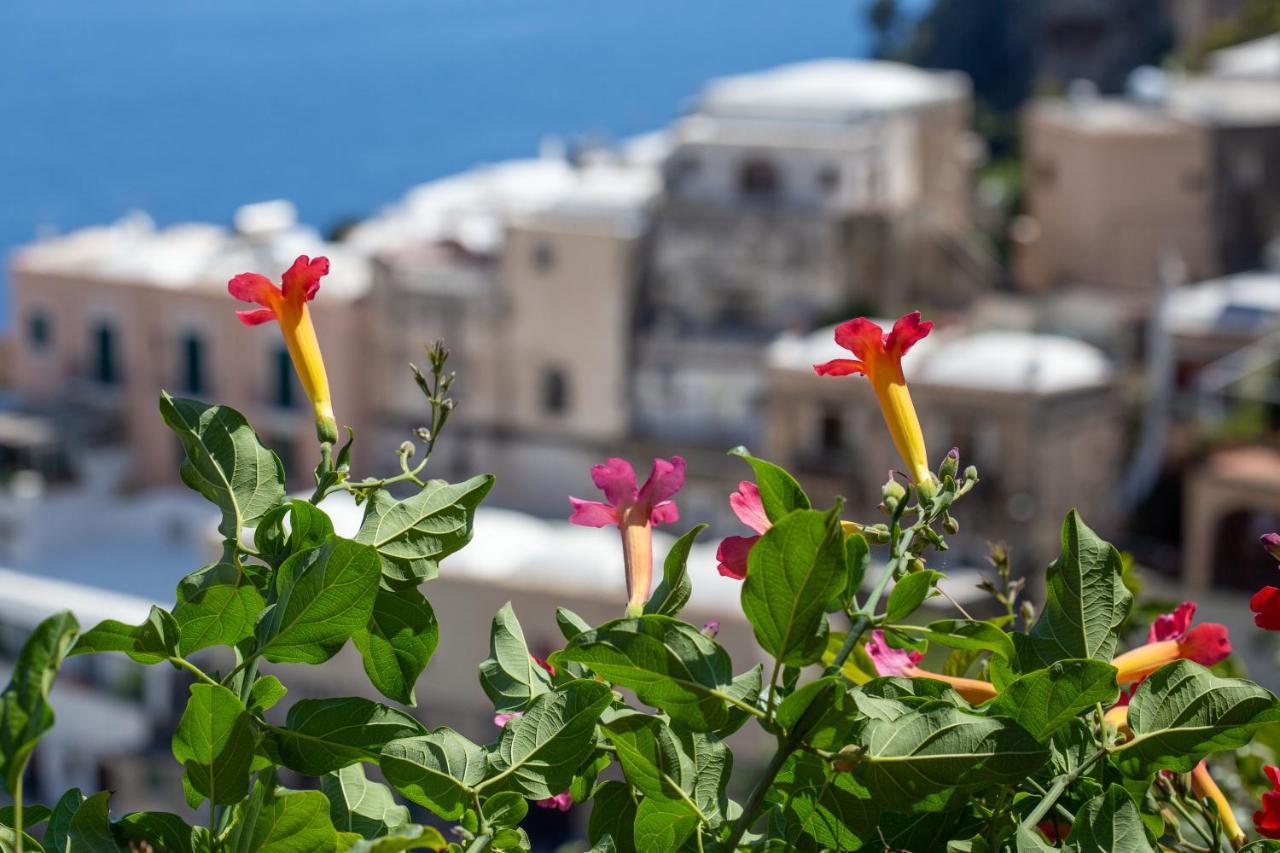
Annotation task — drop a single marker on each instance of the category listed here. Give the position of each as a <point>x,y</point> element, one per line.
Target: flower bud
<point>893,491</point>
<point>971,474</point>
<point>1028,612</point>
<point>950,464</point>
<point>711,628</point>
<point>422,433</point>
<point>406,449</point>
<point>848,759</point>
<point>926,489</point>
<point>950,525</point>
<point>1271,542</point>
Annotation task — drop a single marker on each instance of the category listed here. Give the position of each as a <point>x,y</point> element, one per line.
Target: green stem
<point>17,810</point>
<point>193,669</point>
<point>752,809</point>
<point>1059,785</point>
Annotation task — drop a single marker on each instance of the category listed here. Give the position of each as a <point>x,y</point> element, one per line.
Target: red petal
<point>592,513</point>
<point>861,337</point>
<point>304,277</point>
<point>1172,626</point>
<point>749,508</point>
<point>666,478</point>
<point>1265,605</point>
<point>251,287</point>
<point>1206,643</point>
<point>1267,819</point>
<point>908,329</point>
<point>1273,773</point>
<point>664,513</point>
<point>617,479</point>
<point>732,556</point>
<point>840,367</point>
<point>256,316</point>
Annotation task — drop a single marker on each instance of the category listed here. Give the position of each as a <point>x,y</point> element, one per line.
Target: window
<point>286,393</point>
<point>544,256</point>
<point>555,391</point>
<point>106,369</point>
<point>39,333</point>
<point>193,380</point>
<point>831,431</point>
<point>759,179</point>
<point>829,179</point>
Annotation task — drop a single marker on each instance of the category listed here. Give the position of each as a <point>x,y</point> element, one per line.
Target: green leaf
<point>309,527</point>
<point>857,554</point>
<point>162,830</point>
<point>90,829</point>
<point>225,462</point>
<point>673,592</point>
<point>214,744</point>
<point>409,837</point>
<point>1183,712</point>
<point>538,752</point>
<point>216,606</point>
<point>795,568</point>
<point>360,806</point>
<point>439,770</point>
<point>613,815</point>
<point>779,491</point>
<point>323,735</point>
<point>744,690</point>
<point>33,814</point>
<point>25,712</point>
<point>58,832</point>
<point>1110,822</point>
<point>669,664</point>
<point>154,641</point>
<point>662,826</point>
<point>293,822</point>
<point>570,623</point>
<point>398,642</point>
<point>325,595</point>
<point>510,676</point>
<point>964,634</point>
<point>831,808</point>
<point>939,747</point>
<point>1086,602</point>
<point>814,714</point>
<point>413,535</point>
<point>265,693</point>
<point>505,809</point>
<point>1044,700</point>
<point>654,761</point>
<point>908,594</point>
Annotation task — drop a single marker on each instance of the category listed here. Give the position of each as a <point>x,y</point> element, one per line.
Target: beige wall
<point>150,326</point>
<point>1108,202</point>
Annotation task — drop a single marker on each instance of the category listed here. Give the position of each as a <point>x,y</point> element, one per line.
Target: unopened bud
<point>406,449</point>
<point>710,629</point>
<point>848,759</point>
<point>1028,612</point>
<point>915,565</point>
<point>1271,541</point>
<point>422,433</point>
<point>971,474</point>
<point>891,493</point>
<point>950,463</point>
<point>950,525</point>
<point>926,489</point>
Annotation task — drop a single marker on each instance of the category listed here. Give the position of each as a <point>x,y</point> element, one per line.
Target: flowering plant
<point>1022,741</point>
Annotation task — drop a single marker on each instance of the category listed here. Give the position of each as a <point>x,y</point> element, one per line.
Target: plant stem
<point>193,669</point>
<point>17,810</point>
<point>751,810</point>
<point>1059,785</point>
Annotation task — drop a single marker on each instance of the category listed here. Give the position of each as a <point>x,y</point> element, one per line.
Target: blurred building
<point>108,316</point>
<point>1037,414</point>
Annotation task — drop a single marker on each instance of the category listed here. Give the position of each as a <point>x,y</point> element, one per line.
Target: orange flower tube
<point>1171,638</point>
<point>901,662</point>
<point>1203,786</point>
<point>879,358</point>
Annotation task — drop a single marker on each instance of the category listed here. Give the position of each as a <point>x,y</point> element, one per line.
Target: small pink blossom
<point>890,661</point>
<point>734,550</point>
<point>562,801</point>
<point>501,720</point>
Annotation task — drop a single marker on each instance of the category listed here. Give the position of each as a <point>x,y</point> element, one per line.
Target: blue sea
<point>188,109</point>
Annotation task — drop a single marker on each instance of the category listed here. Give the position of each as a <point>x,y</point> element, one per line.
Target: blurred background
<point>634,225</point>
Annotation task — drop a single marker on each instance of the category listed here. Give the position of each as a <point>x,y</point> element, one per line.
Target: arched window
<point>555,391</point>
<point>287,391</point>
<point>759,178</point>
<point>39,330</point>
<point>106,367</point>
<point>193,364</point>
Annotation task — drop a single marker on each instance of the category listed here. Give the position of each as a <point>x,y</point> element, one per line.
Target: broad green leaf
<point>153,641</point>
<point>584,778</point>
<point>964,634</point>
<point>162,830</point>
<point>831,808</point>
<point>33,814</point>
<point>570,623</point>
<point>613,815</point>
<point>58,831</point>
<point>743,692</point>
<point>438,770</point>
<point>265,693</point>
<point>90,829</point>
<point>815,715</point>
<point>538,752</point>
<point>398,642</point>
<point>408,837</point>
<point>9,840</point>
<point>25,713</point>
<point>413,535</point>
<point>779,491</point>
<point>360,806</point>
<point>214,743</point>
<point>293,822</point>
<point>1110,823</point>
<point>712,766</point>
<point>795,568</point>
<point>1044,700</point>
<point>308,526</point>
<point>654,761</point>
<point>669,664</point>
<point>510,676</point>
<point>225,462</point>
<point>326,594</point>
<point>1183,712</point>
<point>908,594</point>
<point>505,809</point>
<point>662,826</point>
<point>909,760</point>
<point>216,606</point>
<point>323,735</point>
<point>857,554</point>
<point>1030,841</point>
<point>673,592</point>
<point>1086,602</point>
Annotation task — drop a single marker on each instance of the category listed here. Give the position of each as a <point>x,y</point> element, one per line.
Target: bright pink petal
<point>500,720</point>
<point>1206,643</point>
<point>908,329</point>
<point>256,316</point>
<point>1265,605</point>
<point>664,513</point>
<point>617,479</point>
<point>665,480</point>
<point>1172,626</point>
<point>732,556</point>
<point>592,513</point>
<point>888,660</point>
<point>840,367</point>
<point>748,507</point>
<point>861,337</point>
<point>251,287</point>
<point>303,278</point>
<point>1271,542</point>
<point>562,801</point>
